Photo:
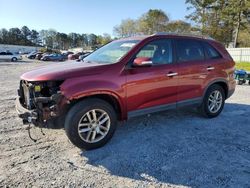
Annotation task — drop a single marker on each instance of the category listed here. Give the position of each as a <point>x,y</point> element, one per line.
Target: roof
<point>193,35</point>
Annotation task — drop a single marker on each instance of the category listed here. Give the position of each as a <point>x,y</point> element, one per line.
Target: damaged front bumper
<point>42,114</point>
<point>28,116</point>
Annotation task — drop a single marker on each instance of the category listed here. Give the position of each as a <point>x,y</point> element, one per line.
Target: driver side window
<point>159,51</point>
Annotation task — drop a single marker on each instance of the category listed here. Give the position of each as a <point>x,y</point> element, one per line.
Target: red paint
<point>138,87</point>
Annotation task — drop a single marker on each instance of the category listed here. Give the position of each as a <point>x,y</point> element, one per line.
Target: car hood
<point>62,71</point>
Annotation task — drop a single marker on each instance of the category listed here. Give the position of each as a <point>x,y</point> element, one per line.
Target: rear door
<point>156,85</point>
<point>192,70</point>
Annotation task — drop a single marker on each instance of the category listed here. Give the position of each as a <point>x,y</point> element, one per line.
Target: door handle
<point>171,74</point>
<point>210,68</point>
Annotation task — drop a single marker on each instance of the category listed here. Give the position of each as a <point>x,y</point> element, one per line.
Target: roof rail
<point>198,35</point>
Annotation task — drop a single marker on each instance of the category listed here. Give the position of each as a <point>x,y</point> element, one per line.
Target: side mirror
<point>142,62</point>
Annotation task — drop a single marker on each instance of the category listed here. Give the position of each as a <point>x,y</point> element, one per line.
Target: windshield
<point>111,53</point>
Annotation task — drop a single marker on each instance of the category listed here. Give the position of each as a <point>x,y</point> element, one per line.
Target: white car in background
<point>8,56</point>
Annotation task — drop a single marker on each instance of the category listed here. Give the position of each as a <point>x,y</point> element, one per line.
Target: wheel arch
<point>113,100</point>
<point>220,82</point>
<point>14,59</point>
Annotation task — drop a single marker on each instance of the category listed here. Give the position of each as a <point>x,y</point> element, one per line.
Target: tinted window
<point>9,53</point>
<point>189,50</point>
<point>212,53</point>
<point>2,53</point>
<point>160,51</point>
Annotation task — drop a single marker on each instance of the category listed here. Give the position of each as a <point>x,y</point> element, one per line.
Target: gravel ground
<point>169,149</point>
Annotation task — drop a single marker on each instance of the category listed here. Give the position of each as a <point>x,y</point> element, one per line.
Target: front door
<point>149,87</point>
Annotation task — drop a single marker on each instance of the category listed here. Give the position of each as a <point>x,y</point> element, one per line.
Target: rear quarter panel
<point>224,67</point>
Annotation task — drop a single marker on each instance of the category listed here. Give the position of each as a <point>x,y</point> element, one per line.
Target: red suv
<point>127,78</point>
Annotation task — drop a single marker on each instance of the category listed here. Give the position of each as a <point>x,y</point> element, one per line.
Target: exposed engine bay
<point>43,101</point>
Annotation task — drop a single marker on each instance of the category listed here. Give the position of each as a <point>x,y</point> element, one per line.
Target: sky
<point>82,16</point>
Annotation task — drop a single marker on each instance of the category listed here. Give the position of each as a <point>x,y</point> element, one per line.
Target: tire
<point>14,59</point>
<point>207,104</point>
<point>240,82</point>
<point>82,113</point>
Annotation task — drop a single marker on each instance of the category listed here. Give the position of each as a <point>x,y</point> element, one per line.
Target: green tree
<point>4,35</point>
<point>15,36</point>
<point>92,40</point>
<point>74,39</point>
<point>48,38</point>
<point>244,37</point>
<point>106,38</point>
<point>239,12</point>
<point>127,28</point>
<point>34,37</point>
<point>200,14</point>
<point>26,35</point>
<point>84,40</point>
<point>178,26</point>
<point>153,21</point>
<point>64,41</point>
<point>221,19</point>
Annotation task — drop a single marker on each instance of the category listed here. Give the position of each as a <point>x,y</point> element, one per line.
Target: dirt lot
<point>169,149</point>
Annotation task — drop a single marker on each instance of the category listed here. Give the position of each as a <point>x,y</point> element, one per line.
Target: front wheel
<point>90,123</point>
<point>213,101</point>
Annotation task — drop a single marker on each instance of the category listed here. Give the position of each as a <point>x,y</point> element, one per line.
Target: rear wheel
<point>213,102</point>
<point>14,59</point>
<point>90,123</point>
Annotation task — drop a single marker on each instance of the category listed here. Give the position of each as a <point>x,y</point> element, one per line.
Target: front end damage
<point>40,103</point>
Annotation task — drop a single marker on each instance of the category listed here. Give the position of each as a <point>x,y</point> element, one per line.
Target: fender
<point>77,88</point>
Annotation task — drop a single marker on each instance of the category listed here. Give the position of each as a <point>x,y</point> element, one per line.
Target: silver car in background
<point>8,56</point>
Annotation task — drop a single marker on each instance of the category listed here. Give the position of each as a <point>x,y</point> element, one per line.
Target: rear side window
<point>9,53</point>
<point>212,53</point>
<point>2,53</point>
<point>189,50</point>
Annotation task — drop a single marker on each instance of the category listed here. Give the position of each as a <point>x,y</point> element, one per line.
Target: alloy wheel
<point>94,125</point>
<point>215,101</point>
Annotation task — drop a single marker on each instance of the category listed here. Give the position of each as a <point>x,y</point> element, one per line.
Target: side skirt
<point>190,102</point>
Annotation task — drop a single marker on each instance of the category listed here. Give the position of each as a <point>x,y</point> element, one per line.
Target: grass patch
<point>243,65</point>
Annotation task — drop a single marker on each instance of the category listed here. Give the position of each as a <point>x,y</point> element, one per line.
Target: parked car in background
<point>39,55</point>
<point>127,78</point>
<point>67,53</point>
<point>81,57</point>
<point>32,55</point>
<point>53,57</point>
<point>75,56</point>
<point>8,56</point>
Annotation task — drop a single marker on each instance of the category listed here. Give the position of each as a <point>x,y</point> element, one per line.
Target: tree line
<point>149,23</point>
<point>227,21</point>
<point>51,39</point>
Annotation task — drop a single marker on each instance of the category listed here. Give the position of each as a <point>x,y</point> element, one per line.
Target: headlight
<point>37,88</point>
